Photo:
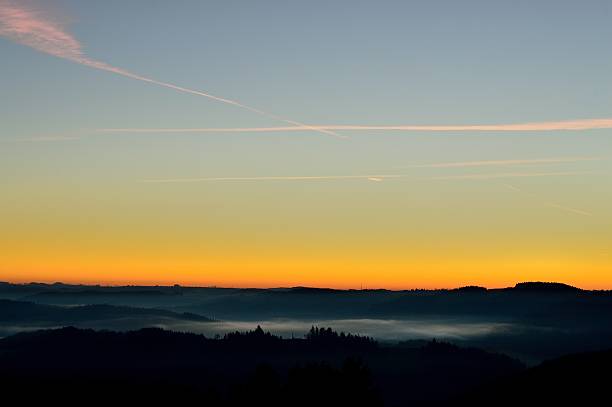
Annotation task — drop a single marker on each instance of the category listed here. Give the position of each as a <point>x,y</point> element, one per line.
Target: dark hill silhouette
<point>538,286</point>
<point>307,290</point>
<point>154,365</point>
<point>471,289</point>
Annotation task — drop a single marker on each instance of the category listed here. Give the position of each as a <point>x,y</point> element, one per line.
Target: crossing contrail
<point>565,208</point>
<point>33,29</point>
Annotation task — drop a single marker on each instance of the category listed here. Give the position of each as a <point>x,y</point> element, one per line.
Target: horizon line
<point>177,285</point>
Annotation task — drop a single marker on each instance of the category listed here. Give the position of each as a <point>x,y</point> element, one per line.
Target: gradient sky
<point>114,170</point>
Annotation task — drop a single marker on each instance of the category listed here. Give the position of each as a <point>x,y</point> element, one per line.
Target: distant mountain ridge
<point>25,312</point>
<point>153,289</point>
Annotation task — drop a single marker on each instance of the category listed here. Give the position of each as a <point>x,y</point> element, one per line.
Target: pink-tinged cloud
<point>569,125</point>
<point>35,30</point>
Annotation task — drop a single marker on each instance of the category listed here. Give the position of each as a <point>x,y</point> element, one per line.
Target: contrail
<point>279,178</point>
<point>31,29</point>
<point>41,139</point>
<point>512,187</point>
<point>567,125</point>
<point>511,175</point>
<point>488,163</point>
<point>548,203</point>
<point>568,209</point>
<point>369,177</point>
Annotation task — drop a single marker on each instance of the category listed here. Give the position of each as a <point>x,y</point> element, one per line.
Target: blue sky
<point>358,62</point>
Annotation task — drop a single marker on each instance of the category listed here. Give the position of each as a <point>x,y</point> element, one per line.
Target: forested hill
<point>324,368</point>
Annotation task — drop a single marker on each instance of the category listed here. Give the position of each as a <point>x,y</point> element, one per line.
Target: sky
<point>395,144</point>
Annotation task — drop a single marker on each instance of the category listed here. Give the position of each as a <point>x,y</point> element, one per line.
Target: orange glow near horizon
<point>333,274</point>
<point>342,236</point>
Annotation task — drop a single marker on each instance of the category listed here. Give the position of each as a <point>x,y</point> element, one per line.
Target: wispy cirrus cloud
<point>32,28</point>
<point>567,125</point>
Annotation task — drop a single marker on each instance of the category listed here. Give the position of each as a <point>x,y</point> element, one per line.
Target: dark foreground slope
<point>150,366</point>
<point>579,380</point>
